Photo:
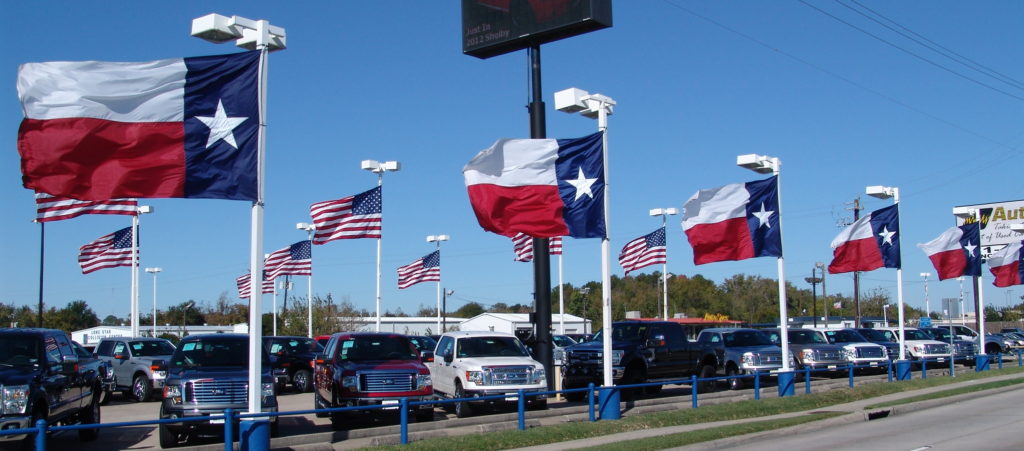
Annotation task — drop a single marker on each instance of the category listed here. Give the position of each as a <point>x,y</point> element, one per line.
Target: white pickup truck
<point>475,364</point>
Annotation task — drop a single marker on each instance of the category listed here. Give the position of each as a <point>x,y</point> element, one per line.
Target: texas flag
<point>869,243</point>
<point>543,188</point>
<point>185,127</point>
<point>1006,265</point>
<point>955,253</point>
<point>734,222</point>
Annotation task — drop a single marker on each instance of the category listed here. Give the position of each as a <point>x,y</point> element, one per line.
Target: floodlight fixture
<point>761,164</point>
<point>965,212</point>
<point>664,211</point>
<point>882,192</point>
<point>247,33</point>
<point>575,100</point>
<point>437,238</point>
<point>305,226</point>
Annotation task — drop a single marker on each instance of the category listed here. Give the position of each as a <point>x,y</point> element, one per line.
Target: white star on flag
<point>582,184</point>
<point>970,249</point>
<point>764,216</point>
<point>886,235</point>
<point>221,126</point>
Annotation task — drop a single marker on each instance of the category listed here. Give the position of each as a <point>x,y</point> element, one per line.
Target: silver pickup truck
<point>133,361</point>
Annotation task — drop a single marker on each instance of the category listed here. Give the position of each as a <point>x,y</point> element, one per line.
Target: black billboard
<point>495,27</point>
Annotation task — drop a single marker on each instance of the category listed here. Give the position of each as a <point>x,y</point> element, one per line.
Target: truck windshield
<point>747,338</point>
<point>914,334</point>
<point>876,335</point>
<point>624,332</point>
<point>491,347</point>
<point>151,348</point>
<point>19,350</point>
<point>843,336</point>
<point>806,337</point>
<point>376,348</point>
<point>212,352</point>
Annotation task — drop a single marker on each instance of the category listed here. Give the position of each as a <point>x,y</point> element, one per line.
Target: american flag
<point>356,216</point>
<point>294,260</point>
<point>644,251</point>
<point>522,245</point>
<point>52,208</point>
<point>426,269</point>
<point>244,286</point>
<point>108,251</point>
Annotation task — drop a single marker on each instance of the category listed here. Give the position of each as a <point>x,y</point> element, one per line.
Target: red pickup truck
<point>364,368</point>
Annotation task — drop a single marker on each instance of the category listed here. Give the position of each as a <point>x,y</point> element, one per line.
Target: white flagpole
<point>256,250</point>
<point>606,271</point>
<point>275,306</point>
<point>561,295</point>
<point>783,313</point>
<point>135,275</point>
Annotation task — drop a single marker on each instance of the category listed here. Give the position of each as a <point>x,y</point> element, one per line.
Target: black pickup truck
<point>41,379</point>
<point>642,352</point>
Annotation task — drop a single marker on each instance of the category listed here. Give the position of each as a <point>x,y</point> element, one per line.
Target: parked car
<point>42,380</point>
<point>892,348</point>
<point>206,375</point>
<point>742,351</point>
<point>473,364</point>
<point>134,361</point>
<point>963,350</point>
<point>919,345</point>
<point>811,349</point>
<point>423,343</point>
<point>292,359</point>
<point>365,369</point>
<point>642,352</point>
<point>857,349</point>
<point>89,362</point>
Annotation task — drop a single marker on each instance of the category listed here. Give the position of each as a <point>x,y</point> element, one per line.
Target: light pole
<point>153,271</point>
<point>885,316</point>
<point>379,168</point>
<point>963,315</point>
<point>444,309</point>
<point>664,213</point>
<point>594,106</point>
<point>184,315</point>
<point>824,297</point>
<point>139,211</point>
<point>886,192</point>
<point>814,280</point>
<point>927,305</point>
<point>253,35</point>
<point>763,164</point>
<point>437,239</point>
<point>968,214</point>
<point>309,228</point>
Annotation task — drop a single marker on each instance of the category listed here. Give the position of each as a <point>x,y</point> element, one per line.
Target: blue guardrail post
<point>850,370</point>
<point>903,370</point>
<point>609,401</point>
<point>807,380</point>
<point>889,370</point>
<point>999,360</point>
<point>786,383</point>
<point>229,430</point>
<point>254,434</point>
<point>590,402</point>
<point>1019,362</point>
<point>40,435</point>
<point>693,391</point>
<point>757,385</point>
<point>521,401</point>
<point>924,368</point>
<point>981,362</point>
<point>403,418</point>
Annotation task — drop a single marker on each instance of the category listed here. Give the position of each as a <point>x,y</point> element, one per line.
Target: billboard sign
<point>496,27</point>
<point>996,219</point>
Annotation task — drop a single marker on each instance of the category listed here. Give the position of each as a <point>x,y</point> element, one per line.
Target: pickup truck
<point>482,363</point>
<point>919,345</point>
<point>963,350</point>
<point>365,369</point>
<point>741,351</point>
<point>642,352</point>
<point>41,379</point>
<point>104,372</point>
<point>858,350</point>
<point>133,361</point>
<point>811,349</point>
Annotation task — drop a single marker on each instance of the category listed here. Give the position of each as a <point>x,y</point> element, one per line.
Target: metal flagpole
<point>135,275</point>
<point>380,182</point>
<point>783,314</point>
<point>309,290</point>
<point>980,310</point>
<point>256,251</point>
<point>606,271</point>
<point>274,328</point>
<point>42,244</point>
<point>899,278</point>
<point>561,295</point>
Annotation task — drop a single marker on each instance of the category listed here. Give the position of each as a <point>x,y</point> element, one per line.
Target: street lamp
<point>309,228</point>
<point>887,192</point>
<point>444,309</point>
<point>963,315</point>
<point>664,213</point>
<point>814,280</point>
<point>927,306</point>
<point>821,266</point>
<point>438,239</point>
<point>379,168</point>
<point>134,297</point>
<point>184,315</point>
<point>972,214</point>
<point>253,35</point>
<point>153,271</point>
<point>885,316</point>
<point>594,106</point>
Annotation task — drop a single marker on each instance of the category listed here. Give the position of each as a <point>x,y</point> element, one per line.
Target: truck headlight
<point>350,382</point>
<point>807,355</point>
<point>423,380</point>
<point>539,376</point>
<point>173,392</point>
<point>559,356</point>
<point>747,359</point>
<point>267,389</point>
<point>15,399</point>
<point>617,355</point>
<point>849,353</point>
<point>917,348</point>
<point>476,377</point>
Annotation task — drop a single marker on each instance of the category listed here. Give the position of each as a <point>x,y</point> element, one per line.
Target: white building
<point>406,325</point>
<point>93,335</point>
<point>512,322</point>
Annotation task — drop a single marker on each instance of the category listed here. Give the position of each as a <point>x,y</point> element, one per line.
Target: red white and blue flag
<point>244,284</point>
<point>645,251</point>
<point>734,222</point>
<point>184,127</point>
<point>426,269</point>
<point>543,188</point>
<point>869,243</point>
<point>294,260</point>
<point>107,251</point>
<point>956,252</point>
<point>522,245</point>
<point>350,217</point>
<point>52,208</point>
<point>1006,265</point>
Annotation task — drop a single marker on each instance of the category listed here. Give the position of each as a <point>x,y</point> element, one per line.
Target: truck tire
<point>706,372</point>
<point>634,375</point>
<point>141,388</point>
<point>735,383</point>
<point>38,413</point>
<point>168,439</point>
<point>302,381</point>
<point>462,408</point>
<point>90,415</point>
<point>538,404</point>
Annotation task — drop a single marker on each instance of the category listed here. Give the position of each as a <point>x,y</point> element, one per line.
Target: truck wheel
<point>735,383</point>
<point>633,376</point>
<point>539,404</point>
<point>706,372</point>
<point>141,388</point>
<point>462,408</point>
<point>90,415</point>
<point>302,381</point>
<point>168,439</point>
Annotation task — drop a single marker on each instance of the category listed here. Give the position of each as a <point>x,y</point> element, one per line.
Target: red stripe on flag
<point>1007,275</point>
<point>856,255</point>
<point>721,241</point>
<point>949,264</point>
<point>535,210</point>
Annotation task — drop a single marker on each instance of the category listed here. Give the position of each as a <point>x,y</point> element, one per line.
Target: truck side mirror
<point>319,359</point>
<point>158,365</point>
<point>426,356</point>
<point>68,365</point>
<point>121,356</point>
<point>656,341</point>
<point>448,358</point>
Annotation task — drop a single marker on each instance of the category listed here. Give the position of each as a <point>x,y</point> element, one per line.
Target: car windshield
<point>151,348</point>
<point>940,334</point>
<point>875,335</point>
<point>914,334</point>
<point>423,343</point>
<point>562,340</point>
<point>843,336</point>
<point>18,350</point>
<point>376,348</point>
<point>806,337</point>
<point>215,351</point>
<point>491,347</point>
<point>624,332</point>
<point>746,338</point>
<point>295,346</point>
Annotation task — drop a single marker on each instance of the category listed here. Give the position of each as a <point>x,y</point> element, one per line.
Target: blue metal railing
<point>41,430</point>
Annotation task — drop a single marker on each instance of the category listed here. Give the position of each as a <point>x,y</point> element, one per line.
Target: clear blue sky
<point>697,83</point>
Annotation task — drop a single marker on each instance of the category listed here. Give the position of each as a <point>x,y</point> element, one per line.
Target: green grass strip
<point>729,411</point>
<point>947,393</point>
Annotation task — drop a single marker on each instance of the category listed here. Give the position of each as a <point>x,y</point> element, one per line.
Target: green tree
<point>469,310</point>
<point>75,316</point>
<point>328,317</point>
<point>112,320</point>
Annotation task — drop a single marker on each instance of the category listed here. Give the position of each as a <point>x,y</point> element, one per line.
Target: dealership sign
<point>996,219</point>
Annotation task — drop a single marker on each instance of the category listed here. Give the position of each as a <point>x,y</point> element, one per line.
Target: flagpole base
<point>608,402</point>
<point>903,370</point>
<point>787,383</point>
<point>981,363</point>
<point>253,435</point>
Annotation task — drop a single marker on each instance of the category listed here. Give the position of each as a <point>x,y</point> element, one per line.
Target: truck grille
<point>585,357</point>
<point>930,348</point>
<point>768,358</point>
<point>965,348</point>
<point>382,382</point>
<point>509,375</point>
<point>211,391</point>
<point>826,356</point>
<point>866,352</point>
